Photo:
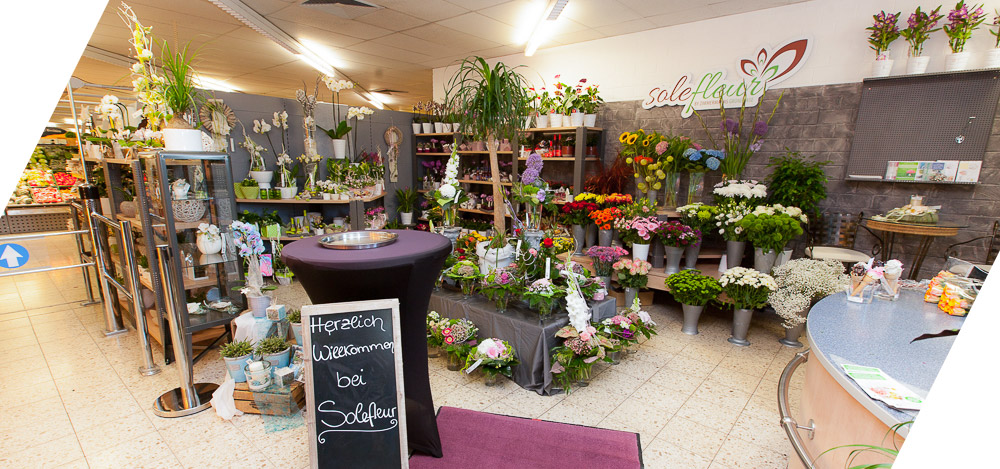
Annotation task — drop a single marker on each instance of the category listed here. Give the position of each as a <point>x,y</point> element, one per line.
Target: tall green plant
<point>179,91</point>
<point>406,199</point>
<point>490,103</point>
<point>797,181</point>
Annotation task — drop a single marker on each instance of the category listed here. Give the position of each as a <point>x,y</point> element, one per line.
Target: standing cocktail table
<point>405,270</point>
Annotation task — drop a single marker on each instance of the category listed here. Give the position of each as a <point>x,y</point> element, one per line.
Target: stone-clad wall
<point>820,120</point>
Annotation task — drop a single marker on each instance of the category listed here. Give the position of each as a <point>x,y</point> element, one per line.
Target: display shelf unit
<point>356,207</point>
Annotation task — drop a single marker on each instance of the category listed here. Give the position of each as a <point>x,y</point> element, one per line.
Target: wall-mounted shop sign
<point>769,67</point>
<point>354,385</point>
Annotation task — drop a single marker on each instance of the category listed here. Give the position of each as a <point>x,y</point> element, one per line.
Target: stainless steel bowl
<point>358,240</point>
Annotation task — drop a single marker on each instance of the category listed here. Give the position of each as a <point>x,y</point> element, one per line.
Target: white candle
<point>517,253</point>
<point>548,265</point>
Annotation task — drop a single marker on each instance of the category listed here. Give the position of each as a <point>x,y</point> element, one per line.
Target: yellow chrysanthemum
<point>623,137</point>
<point>632,138</point>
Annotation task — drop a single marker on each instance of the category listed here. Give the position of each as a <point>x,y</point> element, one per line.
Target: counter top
<point>878,334</point>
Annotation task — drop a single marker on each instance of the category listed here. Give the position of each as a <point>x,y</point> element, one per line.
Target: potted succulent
<point>747,290</point>
<point>406,199</point>
<point>920,25</point>
<point>693,291</point>
<point>295,320</point>
<point>274,350</point>
<point>236,354</point>
<point>884,32</point>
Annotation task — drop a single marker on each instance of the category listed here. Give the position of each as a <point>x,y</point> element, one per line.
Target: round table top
<point>410,245</point>
<point>923,229</point>
<point>879,334</point>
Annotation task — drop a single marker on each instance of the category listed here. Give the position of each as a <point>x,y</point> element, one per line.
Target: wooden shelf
<point>308,201</point>
<point>487,183</point>
<point>437,134</point>
<point>481,212</point>
<point>562,129</point>
<point>462,152</point>
<point>588,159</point>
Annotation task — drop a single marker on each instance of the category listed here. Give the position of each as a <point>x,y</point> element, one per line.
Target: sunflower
<point>623,137</point>
<point>632,138</point>
<point>645,142</point>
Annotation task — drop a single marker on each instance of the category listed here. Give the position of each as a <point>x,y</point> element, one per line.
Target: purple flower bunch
<point>884,32</point>
<point>729,126</point>
<point>604,257</point>
<point>961,25</point>
<point>532,170</point>
<point>434,167</point>
<point>920,25</point>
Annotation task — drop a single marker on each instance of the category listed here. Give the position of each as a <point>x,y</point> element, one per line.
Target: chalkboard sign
<point>354,385</point>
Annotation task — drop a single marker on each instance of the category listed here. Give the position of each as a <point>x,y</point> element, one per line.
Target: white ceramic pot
<point>327,196</point>
<point>542,121</point>
<point>428,127</point>
<point>209,244</point>
<point>992,59</point>
<point>881,68</point>
<point>446,127</point>
<point>438,127</point>
<point>576,119</point>
<point>492,259</point>
<point>406,218</point>
<point>640,251</point>
<point>288,192</point>
<point>555,120</point>
<point>567,120</point>
<point>590,120</point>
<point>182,140</point>
<point>263,178</point>
<point>915,65</point>
<point>455,126</point>
<point>340,148</point>
<point>416,127</point>
<point>956,61</point>
<point>527,122</point>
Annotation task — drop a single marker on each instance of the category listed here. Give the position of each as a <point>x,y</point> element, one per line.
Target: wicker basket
<point>189,210</point>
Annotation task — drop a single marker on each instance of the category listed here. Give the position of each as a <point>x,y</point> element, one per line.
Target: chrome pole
<point>785,415</point>
<point>189,398</point>
<point>149,367</point>
<point>89,196</point>
<point>79,135</point>
<point>79,248</point>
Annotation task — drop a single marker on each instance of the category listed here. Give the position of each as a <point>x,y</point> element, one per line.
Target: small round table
<point>926,231</point>
<point>405,270</point>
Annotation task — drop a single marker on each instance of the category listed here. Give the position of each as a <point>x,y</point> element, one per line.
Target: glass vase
<point>670,186</point>
<point>433,352</point>
<point>696,183</point>
<point>450,216</point>
<point>311,170</point>
<point>501,301</point>
<point>468,287</point>
<point>533,214</point>
<point>454,362</point>
<point>583,376</point>
<point>492,379</point>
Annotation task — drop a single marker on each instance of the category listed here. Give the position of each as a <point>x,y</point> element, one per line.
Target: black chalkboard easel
<point>354,385</point>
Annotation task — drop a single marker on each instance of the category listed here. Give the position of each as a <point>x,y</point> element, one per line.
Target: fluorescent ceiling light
<point>323,53</point>
<point>51,124</point>
<point>316,63</point>
<point>207,83</point>
<point>543,28</point>
<point>375,101</point>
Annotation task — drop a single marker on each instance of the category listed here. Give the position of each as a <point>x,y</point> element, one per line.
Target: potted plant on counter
<point>693,291</point>
<point>406,199</point>
<point>884,32</point>
<point>801,283</point>
<point>747,290</point>
<point>275,350</point>
<point>235,354</point>
<point>920,25</point>
<point>182,98</point>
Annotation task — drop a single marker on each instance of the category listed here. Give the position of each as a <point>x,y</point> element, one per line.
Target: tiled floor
<point>71,397</point>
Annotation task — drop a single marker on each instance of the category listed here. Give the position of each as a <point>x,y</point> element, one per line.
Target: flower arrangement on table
<point>962,23</point>
<point>637,230</point>
<point>605,218</point>
<point>698,216</point>
<point>678,235</point>
<point>532,191</point>
<point>884,32</point>
<point>632,273</point>
<point>690,287</point>
<point>603,258</point>
<point>746,288</point>
<point>494,356</point>
<point>572,361</point>
<point>449,195</point>
<point>802,281</point>
<point>594,289</point>
<point>459,337</point>
<point>434,326</point>
<point>500,286</point>
<point>919,27</point>
<point>738,143</point>
<point>466,273</point>
<point>577,212</point>
<point>250,246</point>
<point>770,228</point>
<point>542,295</point>
<point>531,264</point>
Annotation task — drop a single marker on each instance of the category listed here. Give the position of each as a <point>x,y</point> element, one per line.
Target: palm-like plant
<point>179,91</point>
<point>490,103</point>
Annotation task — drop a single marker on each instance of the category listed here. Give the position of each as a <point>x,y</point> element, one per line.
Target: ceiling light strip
<point>549,15</point>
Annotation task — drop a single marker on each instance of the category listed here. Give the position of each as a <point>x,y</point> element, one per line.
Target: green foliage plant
<point>690,287</point>
<point>770,231</point>
<point>797,181</point>
<point>271,345</point>
<point>179,91</point>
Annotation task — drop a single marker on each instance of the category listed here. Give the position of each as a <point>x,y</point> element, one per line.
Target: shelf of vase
<point>562,129</point>
<point>481,212</point>
<point>589,159</point>
<point>462,152</point>
<point>436,134</point>
<point>309,201</point>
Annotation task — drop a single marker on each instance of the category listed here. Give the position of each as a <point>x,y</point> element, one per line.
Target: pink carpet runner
<point>477,439</point>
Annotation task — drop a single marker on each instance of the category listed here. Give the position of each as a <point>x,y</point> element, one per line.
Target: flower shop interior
<point>691,234</point>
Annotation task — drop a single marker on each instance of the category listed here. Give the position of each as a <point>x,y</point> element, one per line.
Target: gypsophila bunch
<point>802,281</point>
<point>747,288</point>
<point>604,257</point>
<point>632,273</point>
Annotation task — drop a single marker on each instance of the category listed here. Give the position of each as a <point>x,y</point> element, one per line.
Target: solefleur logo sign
<point>771,66</point>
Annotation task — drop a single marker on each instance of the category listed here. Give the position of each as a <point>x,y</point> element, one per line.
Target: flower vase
<point>416,127</point>
<point>604,237</point>
<point>427,127</point>
<point>454,362</point>
<point>696,183</point>
<point>956,61</point>
<point>674,255</point>
<point>583,376</point>
<point>209,244</point>
<point>258,305</point>
<point>591,234</point>
<point>792,335</point>
<point>915,65</point>
<point>451,232</point>
<point>590,120</point>
<point>433,352</point>
<point>741,325</point>
<point>691,315</point>
<point>339,148</point>
<point>630,296</point>
<point>671,184</point>
<point>764,261</point>
<point>311,170</point>
<point>691,256</point>
<point>734,253</point>
<point>651,195</point>
<point>492,379</point>
<point>640,251</point>
<point>501,302</point>
<point>555,120</point>
<point>615,357</point>
<point>992,59</point>
<point>468,287</point>
<point>881,67</point>
<point>579,235</point>
<point>534,238</point>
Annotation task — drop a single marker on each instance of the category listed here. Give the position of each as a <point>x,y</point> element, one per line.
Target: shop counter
<point>879,334</point>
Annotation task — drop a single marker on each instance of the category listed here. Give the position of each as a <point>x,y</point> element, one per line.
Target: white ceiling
<point>394,46</point>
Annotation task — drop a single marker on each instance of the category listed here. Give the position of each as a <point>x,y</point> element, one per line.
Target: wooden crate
<point>276,401</point>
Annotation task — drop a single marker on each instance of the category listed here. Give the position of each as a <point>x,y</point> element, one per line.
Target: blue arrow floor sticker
<point>13,255</point>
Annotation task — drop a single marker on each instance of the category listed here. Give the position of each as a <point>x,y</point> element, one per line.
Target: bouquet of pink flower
<point>459,336</point>
<point>637,229</point>
<point>632,273</point>
<point>572,360</point>
<point>678,235</point>
<point>604,257</point>
<point>493,356</point>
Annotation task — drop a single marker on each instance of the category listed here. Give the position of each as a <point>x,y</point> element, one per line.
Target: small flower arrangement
<point>678,235</point>
<point>434,326</point>
<point>493,356</point>
<point>209,231</point>
<point>594,289</point>
<point>577,212</point>
<point>769,229</point>
<point>884,32</point>
<point>919,27</point>
<point>698,215</point>
<point>543,295</point>
<point>643,323</point>
<point>747,288</point>
<point>466,273</point>
<point>690,287</point>
<point>458,337</point>
<point>572,360</point>
<point>800,282</point>
<point>500,286</point>
<point>962,23</point>
<point>250,246</point>
<point>637,229</point>
<point>605,219</point>
<point>632,273</point>
<point>604,258</point>
<point>621,328</point>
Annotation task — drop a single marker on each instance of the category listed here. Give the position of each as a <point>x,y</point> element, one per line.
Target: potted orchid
<point>637,232</point>
<point>633,274</point>
<point>258,168</point>
<point>250,246</point>
<point>589,102</point>
<point>920,25</point>
<point>747,290</point>
<point>884,32</point>
<point>962,23</point>
<point>338,133</point>
<point>494,356</point>
<point>993,55</point>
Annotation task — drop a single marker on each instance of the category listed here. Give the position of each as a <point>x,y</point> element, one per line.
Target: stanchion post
<point>148,367</point>
<point>79,247</point>
<point>189,398</point>
<point>90,196</point>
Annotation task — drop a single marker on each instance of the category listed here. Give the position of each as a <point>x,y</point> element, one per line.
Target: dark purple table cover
<point>405,270</point>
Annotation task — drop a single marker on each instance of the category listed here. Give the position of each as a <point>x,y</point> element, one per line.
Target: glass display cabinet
<point>180,192</point>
